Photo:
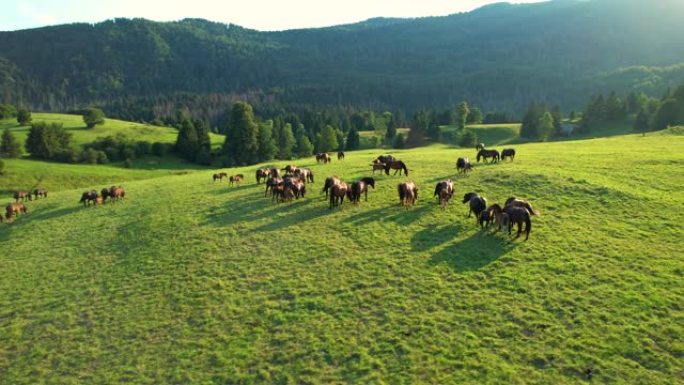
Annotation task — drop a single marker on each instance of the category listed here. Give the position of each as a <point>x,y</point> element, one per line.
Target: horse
<point>361,187</point>
<point>22,195</point>
<point>40,192</point>
<point>384,159</point>
<point>408,194</point>
<point>508,153</point>
<point>262,173</point>
<point>116,193</point>
<point>498,216</point>
<point>305,174</point>
<point>337,193</point>
<point>444,190</point>
<point>271,183</point>
<point>235,179</point>
<point>340,155</point>
<point>513,201</point>
<point>274,172</point>
<point>486,154</point>
<point>290,169</point>
<point>87,197</point>
<point>104,194</point>
<point>378,166</point>
<point>14,209</point>
<point>298,187</point>
<point>329,182</point>
<point>463,165</point>
<point>219,176</point>
<point>518,215</point>
<point>322,157</point>
<point>396,165</point>
<point>477,203</point>
<point>485,219</point>
<point>480,147</point>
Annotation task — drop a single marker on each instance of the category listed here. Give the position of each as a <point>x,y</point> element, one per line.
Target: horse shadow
<point>393,213</point>
<point>433,236</point>
<point>473,253</point>
<point>57,213</point>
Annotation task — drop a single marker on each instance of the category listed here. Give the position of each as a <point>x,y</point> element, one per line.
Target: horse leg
<point>520,226</point>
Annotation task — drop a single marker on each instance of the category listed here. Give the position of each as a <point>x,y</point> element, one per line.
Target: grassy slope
<point>81,135</point>
<point>191,282</point>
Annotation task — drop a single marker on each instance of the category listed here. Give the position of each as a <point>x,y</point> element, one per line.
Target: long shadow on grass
<point>431,237</point>
<point>394,213</point>
<point>472,253</point>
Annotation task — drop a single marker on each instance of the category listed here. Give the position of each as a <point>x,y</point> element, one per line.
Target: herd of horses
<point>18,207</point>
<point>494,155</point>
<point>113,193</point>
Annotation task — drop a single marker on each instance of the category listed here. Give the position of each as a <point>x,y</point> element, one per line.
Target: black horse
<point>88,196</point>
<point>508,153</point>
<point>476,202</point>
<point>361,187</point>
<point>486,154</point>
<point>444,190</point>
<point>518,215</point>
<point>463,165</point>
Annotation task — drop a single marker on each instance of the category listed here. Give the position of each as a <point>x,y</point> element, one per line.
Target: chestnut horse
<point>513,201</point>
<point>305,174</point>
<point>235,179</point>
<point>262,173</point>
<point>40,192</point>
<point>14,209</point>
<point>116,193</point>
<point>361,187</point>
<point>219,176</point>
<point>408,194</point>
<point>23,196</point>
<point>444,190</point>
<point>397,165</point>
<point>498,216</point>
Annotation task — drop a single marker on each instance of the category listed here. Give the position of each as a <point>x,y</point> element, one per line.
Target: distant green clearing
<point>189,281</point>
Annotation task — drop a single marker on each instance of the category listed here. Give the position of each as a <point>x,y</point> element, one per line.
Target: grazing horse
<point>477,203</point>
<point>498,216</point>
<point>463,165</point>
<point>290,169</point>
<point>340,155</point>
<point>486,154</point>
<point>116,193</point>
<point>275,172</point>
<point>219,176</point>
<point>88,196</point>
<point>337,193</point>
<point>384,159</point>
<point>518,215</point>
<point>271,184</point>
<point>329,182</point>
<point>323,157</point>
<point>396,165</point>
<point>14,209</point>
<point>104,194</point>
<point>508,153</point>
<point>262,173</point>
<point>305,174</point>
<point>298,187</point>
<point>513,201</point>
<point>235,179</point>
<point>408,194</point>
<point>361,187</point>
<point>444,190</point>
<point>378,166</point>
<point>40,192</point>
<point>22,195</point>
<point>480,147</point>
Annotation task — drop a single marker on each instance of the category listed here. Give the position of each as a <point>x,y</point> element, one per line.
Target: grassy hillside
<point>189,281</point>
<point>82,135</point>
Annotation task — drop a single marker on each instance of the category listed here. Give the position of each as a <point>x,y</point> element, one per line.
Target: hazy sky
<point>265,15</point>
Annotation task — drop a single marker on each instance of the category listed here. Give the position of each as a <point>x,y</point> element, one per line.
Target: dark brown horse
<point>378,166</point>
<point>275,172</point>
<point>340,155</point>
<point>262,173</point>
<point>361,187</point>
<point>513,201</point>
<point>397,165</point>
<point>480,147</point>
<point>23,196</point>
<point>271,184</point>
<point>329,182</point>
<point>463,165</point>
<point>518,215</point>
<point>236,179</point>
<point>337,193</point>
<point>116,193</point>
<point>14,209</point>
<point>305,174</point>
<point>498,216</point>
<point>487,154</point>
<point>508,153</point>
<point>219,176</point>
<point>477,204</point>
<point>444,190</point>
<point>322,157</point>
<point>290,169</point>
<point>384,159</point>
<point>408,194</point>
<point>87,197</point>
<point>40,192</point>
<point>485,219</point>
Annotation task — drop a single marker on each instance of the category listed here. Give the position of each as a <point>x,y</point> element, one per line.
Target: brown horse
<point>463,165</point>
<point>235,179</point>
<point>40,192</point>
<point>305,174</point>
<point>513,201</point>
<point>480,147</point>
<point>116,193</point>
<point>485,219</point>
<point>508,153</point>
<point>486,154</point>
<point>329,182</point>
<point>298,187</point>
<point>337,193</point>
<point>262,173</point>
<point>88,196</point>
<point>322,157</point>
<point>476,203</point>
<point>23,196</point>
<point>219,176</point>
<point>14,209</point>
<point>378,166</point>
<point>361,187</point>
<point>384,159</point>
<point>498,216</point>
<point>518,215</point>
<point>444,190</point>
<point>408,194</point>
<point>340,155</point>
<point>271,184</point>
<point>275,172</point>
<point>397,165</point>
<point>290,169</point>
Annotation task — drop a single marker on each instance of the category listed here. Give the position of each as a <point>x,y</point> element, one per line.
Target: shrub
<point>160,149</point>
<point>468,139</point>
<point>143,148</point>
<point>399,141</point>
<point>128,163</point>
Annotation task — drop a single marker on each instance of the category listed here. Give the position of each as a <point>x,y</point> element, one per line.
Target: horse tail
<point>405,168</point>
<point>387,168</point>
<point>528,226</point>
<point>529,208</point>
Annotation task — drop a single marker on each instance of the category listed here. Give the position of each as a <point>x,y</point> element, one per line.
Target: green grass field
<point>189,281</point>
<point>82,135</point>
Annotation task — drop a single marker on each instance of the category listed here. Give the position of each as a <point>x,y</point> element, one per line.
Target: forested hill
<point>500,56</point>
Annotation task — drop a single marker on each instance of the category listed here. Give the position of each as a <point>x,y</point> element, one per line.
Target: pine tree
<point>241,144</point>
<point>353,140</point>
<point>24,117</point>
<point>267,144</point>
<point>187,143</point>
<point>391,129</point>
<point>286,142</point>
<point>304,146</point>
<point>545,128</point>
<point>462,115</point>
<point>327,141</point>
<point>642,121</point>
<point>9,147</point>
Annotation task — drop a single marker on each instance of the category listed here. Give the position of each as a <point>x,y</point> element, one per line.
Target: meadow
<point>190,281</point>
